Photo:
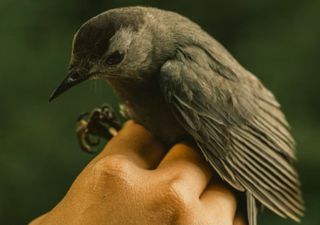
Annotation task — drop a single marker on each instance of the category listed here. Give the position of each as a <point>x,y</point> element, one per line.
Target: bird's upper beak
<point>73,77</point>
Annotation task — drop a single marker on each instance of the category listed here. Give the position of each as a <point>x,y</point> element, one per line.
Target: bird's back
<point>198,88</point>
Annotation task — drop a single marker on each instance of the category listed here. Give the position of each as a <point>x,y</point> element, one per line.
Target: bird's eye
<point>115,58</point>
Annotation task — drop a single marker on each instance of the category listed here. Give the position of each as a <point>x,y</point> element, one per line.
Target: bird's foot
<point>92,126</point>
<point>124,111</point>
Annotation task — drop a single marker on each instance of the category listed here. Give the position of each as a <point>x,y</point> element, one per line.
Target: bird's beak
<point>73,77</point>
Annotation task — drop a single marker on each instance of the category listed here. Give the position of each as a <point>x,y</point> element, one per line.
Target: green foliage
<point>39,156</point>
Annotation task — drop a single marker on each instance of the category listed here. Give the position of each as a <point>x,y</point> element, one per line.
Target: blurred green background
<point>279,41</point>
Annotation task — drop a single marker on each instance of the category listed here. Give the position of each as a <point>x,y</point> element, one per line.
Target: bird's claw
<point>100,122</point>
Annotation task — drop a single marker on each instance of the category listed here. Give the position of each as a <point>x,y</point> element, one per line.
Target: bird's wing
<point>237,124</point>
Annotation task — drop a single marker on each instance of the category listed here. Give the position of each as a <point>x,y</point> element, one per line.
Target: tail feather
<point>251,209</point>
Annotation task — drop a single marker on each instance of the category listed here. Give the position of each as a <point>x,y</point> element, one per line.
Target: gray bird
<point>176,80</point>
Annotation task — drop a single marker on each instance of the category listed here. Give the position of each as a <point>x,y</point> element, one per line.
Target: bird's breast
<point>156,116</point>
<point>146,105</point>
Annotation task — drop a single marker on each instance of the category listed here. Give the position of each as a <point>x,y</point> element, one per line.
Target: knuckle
<point>112,166</point>
<point>176,194</point>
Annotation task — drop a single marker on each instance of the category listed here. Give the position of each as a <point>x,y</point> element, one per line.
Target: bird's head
<point>116,44</point>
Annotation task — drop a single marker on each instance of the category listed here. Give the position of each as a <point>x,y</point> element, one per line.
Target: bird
<point>178,81</point>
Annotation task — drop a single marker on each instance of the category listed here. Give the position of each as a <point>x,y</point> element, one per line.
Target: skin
<point>134,180</point>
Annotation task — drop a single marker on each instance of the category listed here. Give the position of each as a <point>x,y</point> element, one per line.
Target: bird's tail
<point>251,209</point>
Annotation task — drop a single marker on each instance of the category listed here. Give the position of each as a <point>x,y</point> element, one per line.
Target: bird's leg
<point>100,123</point>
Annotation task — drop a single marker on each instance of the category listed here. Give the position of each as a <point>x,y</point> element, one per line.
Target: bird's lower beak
<point>73,78</point>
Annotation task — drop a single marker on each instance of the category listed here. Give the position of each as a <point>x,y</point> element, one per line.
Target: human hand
<point>135,181</point>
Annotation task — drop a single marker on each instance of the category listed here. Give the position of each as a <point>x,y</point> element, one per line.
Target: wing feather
<point>268,180</point>
<point>238,125</point>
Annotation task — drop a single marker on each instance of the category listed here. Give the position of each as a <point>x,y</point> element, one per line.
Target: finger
<point>183,162</point>
<point>239,220</point>
<point>219,201</point>
<point>137,144</point>
<point>38,220</point>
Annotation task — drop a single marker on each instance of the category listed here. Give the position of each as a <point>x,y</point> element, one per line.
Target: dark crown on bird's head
<point>100,45</point>
<point>92,39</point>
